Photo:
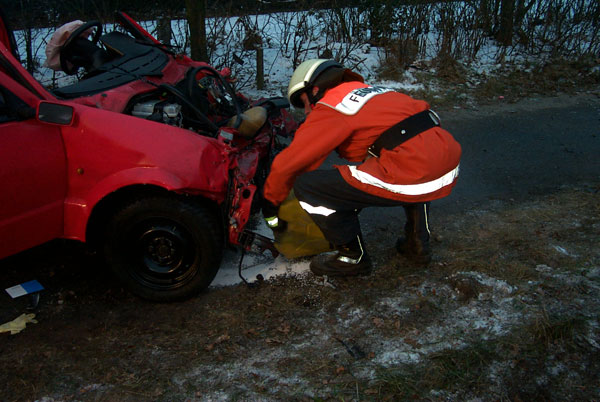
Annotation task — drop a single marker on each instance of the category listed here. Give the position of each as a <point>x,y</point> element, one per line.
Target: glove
<point>18,324</point>
<point>270,215</point>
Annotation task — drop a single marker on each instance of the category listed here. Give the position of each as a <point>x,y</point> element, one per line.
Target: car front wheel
<point>164,248</point>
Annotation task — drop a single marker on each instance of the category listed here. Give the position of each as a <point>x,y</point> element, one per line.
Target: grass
<point>552,329</point>
<point>552,334</point>
<point>448,370</point>
<point>531,350</point>
<point>448,82</point>
<point>416,328</point>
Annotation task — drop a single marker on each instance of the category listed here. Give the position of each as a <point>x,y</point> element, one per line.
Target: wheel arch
<point>110,204</point>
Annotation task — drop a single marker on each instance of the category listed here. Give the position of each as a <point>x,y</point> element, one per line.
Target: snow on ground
<point>278,55</point>
<point>255,264</point>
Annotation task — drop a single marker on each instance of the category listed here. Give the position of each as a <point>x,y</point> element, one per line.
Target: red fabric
<point>422,159</point>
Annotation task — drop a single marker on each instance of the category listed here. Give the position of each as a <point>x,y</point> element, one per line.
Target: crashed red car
<point>151,157</point>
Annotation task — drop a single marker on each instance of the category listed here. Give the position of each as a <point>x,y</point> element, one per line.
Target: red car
<point>151,157</point>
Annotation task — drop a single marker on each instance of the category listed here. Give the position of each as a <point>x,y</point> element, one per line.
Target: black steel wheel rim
<point>163,254</point>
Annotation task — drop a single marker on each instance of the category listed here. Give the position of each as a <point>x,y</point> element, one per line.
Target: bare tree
<point>505,31</point>
<point>196,15</point>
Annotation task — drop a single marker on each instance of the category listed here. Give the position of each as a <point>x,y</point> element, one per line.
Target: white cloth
<point>59,37</point>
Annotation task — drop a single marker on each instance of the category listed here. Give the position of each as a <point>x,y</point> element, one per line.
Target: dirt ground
<point>509,309</point>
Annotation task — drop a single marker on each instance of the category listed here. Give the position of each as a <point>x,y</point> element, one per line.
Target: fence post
<point>260,68</point>
<point>163,29</point>
<point>253,41</point>
<point>29,62</point>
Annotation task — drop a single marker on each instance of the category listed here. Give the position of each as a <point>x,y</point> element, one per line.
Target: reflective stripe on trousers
<point>333,204</point>
<point>406,189</point>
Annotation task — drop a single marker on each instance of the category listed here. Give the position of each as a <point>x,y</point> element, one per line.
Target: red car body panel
<point>151,156</point>
<point>117,98</point>
<point>33,177</point>
<point>54,176</point>
<point>34,181</point>
<point>101,159</point>
<point>138,28</point>
<point>74,167</point>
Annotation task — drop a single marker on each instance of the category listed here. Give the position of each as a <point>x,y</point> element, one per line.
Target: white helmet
<point>307,73</point>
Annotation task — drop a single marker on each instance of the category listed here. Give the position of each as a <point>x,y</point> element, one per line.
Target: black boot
<point>415,245</point>
<point>350,260</point>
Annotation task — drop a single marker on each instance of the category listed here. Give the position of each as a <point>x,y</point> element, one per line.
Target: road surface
<point>513,152</point>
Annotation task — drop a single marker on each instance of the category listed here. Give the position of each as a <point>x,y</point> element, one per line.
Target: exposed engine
<point>201,104</point>
<point>159,111</point>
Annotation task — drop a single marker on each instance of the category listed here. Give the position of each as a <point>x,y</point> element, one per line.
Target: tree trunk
<point>507,12</point>
<point>196,14</point>
<point>485,15</point>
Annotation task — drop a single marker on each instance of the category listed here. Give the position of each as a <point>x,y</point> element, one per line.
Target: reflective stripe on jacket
<point>348,119</point>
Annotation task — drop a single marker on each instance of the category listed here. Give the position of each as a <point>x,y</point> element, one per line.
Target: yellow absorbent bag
<point>302,237</point>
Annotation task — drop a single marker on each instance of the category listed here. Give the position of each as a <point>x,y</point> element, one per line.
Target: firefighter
<point>399,154</point>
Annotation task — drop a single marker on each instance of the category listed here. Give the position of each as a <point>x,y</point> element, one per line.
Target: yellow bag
<point>302,237</point>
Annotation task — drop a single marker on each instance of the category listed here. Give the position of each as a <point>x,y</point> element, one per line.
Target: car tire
<point>164,248</point>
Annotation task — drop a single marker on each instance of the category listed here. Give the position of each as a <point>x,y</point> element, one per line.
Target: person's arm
<point>322,132</point>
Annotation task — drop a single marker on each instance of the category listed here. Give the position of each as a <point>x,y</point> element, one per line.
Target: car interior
<point>121,59</point>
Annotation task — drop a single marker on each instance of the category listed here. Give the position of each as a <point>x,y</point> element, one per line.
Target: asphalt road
<point>523,151</point>
<point>513,152</point>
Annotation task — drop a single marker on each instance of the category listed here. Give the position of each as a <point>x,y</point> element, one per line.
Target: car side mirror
<point>55,113</point>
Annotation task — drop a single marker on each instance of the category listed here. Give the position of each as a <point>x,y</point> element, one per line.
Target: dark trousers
<point>334,206</point>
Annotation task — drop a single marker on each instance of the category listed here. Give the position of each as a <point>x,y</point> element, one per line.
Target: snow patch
<point>544,268</point>
<point>496,284</point>
<point>254,265</point>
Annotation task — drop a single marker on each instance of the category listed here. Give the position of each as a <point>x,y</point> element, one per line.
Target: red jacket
<point>347,120</point>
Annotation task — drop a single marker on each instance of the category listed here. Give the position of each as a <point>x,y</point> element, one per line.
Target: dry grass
<point>449,83</point>
<point>508,310</point>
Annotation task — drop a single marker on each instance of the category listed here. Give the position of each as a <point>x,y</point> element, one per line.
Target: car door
<point>7,38</point>
<point>32,173</point>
